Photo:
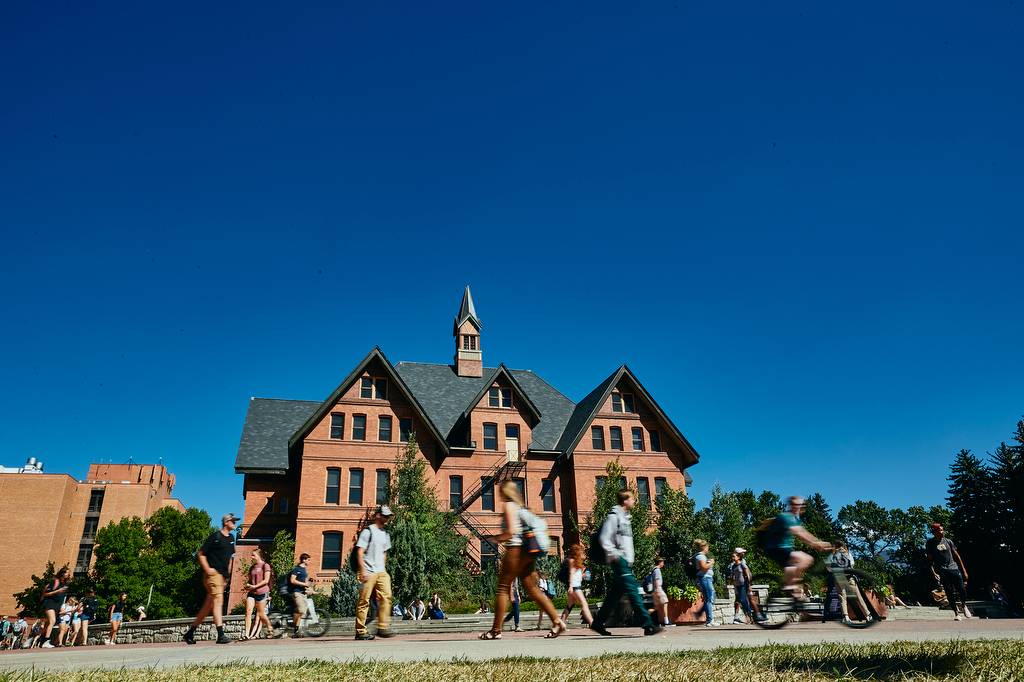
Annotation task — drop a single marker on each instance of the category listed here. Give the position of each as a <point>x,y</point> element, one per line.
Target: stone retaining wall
<point>172,630</point>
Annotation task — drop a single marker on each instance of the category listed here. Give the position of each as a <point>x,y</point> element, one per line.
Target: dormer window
<point>616,402</point>
<point>374,388</point>
<point>499,397</point>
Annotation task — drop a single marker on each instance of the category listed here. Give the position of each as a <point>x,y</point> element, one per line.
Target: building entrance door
<point>512,442</point>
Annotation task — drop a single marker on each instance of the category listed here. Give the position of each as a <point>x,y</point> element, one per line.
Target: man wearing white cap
<point>371,557</point>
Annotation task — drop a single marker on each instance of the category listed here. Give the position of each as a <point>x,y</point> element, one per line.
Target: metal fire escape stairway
<point>503,470</point>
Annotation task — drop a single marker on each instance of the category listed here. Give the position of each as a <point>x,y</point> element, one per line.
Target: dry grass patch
<point>996,661</point>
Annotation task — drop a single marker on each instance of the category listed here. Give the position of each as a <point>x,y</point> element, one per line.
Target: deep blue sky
<point>800,224</point>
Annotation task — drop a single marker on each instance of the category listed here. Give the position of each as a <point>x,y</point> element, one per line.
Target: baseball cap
<point>385,510</point>
<point>740,550</point>
<point>229,517</point>
<point>936,526</point>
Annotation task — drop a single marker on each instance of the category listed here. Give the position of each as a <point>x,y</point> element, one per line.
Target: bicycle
<point>311,625</point>
<point>775,608</point>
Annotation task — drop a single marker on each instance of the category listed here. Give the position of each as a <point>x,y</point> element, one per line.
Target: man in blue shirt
<point>782,532</point>
<point>298,582</point>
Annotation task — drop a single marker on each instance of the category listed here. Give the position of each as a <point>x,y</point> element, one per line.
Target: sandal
<point>557,629</point>
<point>491,634</point>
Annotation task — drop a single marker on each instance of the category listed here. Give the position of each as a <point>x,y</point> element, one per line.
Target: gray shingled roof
<point>445,396</point>
<point>269,424</point>
<point>583,413</point>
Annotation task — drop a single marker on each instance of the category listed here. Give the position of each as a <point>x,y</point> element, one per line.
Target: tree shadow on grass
<point>878,666</point>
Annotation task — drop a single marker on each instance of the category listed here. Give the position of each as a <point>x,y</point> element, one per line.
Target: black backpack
<point>563,572</point>
<point>284,585</point>
<point>690,567</point>
<point>765,533</point>
<point>595,552</point>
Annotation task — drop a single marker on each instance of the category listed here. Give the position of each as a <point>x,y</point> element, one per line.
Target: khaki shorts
<point>660,598</point>
<point>300,603</point>
<point>214,584</point>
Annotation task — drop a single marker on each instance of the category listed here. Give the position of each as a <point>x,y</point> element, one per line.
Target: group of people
<point>66,620</point>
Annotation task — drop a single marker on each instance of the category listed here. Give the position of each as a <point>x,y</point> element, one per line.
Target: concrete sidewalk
<point>577,643</point>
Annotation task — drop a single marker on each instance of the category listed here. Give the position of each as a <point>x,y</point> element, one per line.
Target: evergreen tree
<point>344,593</point>
<point>427,549</point>
<point>974,517</point>
<point>817,518</point>
<point>1008,492</point>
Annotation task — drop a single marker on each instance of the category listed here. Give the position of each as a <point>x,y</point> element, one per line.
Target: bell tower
<point>468,356</point>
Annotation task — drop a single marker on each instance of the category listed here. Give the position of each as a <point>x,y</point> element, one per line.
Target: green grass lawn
<point>986,661</point>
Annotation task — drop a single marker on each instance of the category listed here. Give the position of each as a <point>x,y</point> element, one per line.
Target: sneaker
<point>47,645</point>
<point>601,630</point>
<point>519,630</point>
<point>189,638</point>
<point>365,637</point>
<point>223,639</point>
<point>386,634</point>
<point>967,613</point>
<point>710,624</point>
<point>956,617</point>
<point>653,630</point>
<point>738,621</point>
<point>847,621</point>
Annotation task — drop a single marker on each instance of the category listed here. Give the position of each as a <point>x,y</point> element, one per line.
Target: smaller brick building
<point>53,517</point>
<point>317,468</point>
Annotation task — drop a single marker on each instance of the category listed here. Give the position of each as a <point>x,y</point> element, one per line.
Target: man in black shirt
<point>948,569</point>
<point>215,558</point>
<point>298,581</point>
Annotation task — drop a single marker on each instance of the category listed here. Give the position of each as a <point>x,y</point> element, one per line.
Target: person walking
<point>838,562</point>
<point>215,559</point>
<point>616,539</point>
<point>574,589</point>
<point>20,629</point>
<point>371,559</point>
<point>258,596</point>
<point>298,583</point>
<point>116,616</point>
<point>658,595</point>
<point>515,601</point>
<point>53,599</point>
<point>518,563</point>
<point>547,586</point>
<point>948,569</point>
<point>739,573</point>
<point>705,566</point>
<point>90,606</point>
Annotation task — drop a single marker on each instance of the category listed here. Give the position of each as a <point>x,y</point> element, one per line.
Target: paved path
<point>576,644</point>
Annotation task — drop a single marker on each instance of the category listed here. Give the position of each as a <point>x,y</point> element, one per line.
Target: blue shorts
<point>116,617</point>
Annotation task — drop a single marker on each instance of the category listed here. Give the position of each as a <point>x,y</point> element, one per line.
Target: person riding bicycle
<point>779,546</point>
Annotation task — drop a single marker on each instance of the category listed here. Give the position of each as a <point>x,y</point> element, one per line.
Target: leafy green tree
<point>721,523</point>
<point>281,559</point>
<point>31,598</point>
<point>174,539</point>
<point>759,508</point>
<point>645,542</point>
<point>675,529</point>
<point>126,563</point>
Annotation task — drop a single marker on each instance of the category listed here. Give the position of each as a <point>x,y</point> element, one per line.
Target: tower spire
<point>466,330</point>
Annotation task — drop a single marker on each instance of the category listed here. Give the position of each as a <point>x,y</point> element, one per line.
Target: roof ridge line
<point>546,383</point>
<point>285,400</point>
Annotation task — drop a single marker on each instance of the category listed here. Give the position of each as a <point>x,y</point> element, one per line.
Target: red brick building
<point>316,468</point>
